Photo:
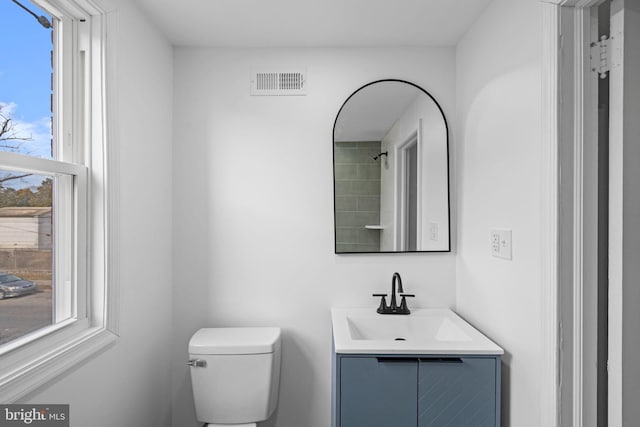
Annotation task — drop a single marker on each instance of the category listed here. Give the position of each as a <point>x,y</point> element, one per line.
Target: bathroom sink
<point>424,331</point>
<point>402,328</point>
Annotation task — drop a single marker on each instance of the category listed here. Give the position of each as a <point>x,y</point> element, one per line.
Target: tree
<point>43,197</point>
<point>9,141</point>
<point>25,197</point>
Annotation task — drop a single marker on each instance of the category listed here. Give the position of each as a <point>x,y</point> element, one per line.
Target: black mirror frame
<point>446,124</point>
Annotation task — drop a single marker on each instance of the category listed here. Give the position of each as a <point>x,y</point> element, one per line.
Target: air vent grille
<point>278,83</point>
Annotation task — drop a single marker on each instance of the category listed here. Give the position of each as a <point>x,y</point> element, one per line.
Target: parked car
<point>13,286</point>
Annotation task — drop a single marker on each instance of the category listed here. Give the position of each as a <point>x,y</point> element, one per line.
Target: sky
<point>25,75</point>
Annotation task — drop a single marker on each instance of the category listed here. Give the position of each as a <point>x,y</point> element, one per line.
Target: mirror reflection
<point>391,171</point>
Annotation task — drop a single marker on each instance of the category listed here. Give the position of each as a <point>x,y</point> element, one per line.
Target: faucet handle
<point>403,303</point>
<point>383,303</point>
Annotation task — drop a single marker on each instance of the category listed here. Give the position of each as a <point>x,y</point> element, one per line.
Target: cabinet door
<point>457,392</point>
<point>378,392</point>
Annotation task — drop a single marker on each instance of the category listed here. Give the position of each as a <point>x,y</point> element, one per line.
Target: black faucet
<point>393,307</point>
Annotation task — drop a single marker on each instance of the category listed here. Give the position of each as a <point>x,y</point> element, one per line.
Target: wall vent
<point>278,83</point>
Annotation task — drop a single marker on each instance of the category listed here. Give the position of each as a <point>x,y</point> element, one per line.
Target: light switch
<point>433,231</point>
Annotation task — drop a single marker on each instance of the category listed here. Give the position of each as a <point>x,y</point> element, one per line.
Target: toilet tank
<point>240,378</point>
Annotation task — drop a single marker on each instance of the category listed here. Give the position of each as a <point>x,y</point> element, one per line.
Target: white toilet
<point>235,373</point>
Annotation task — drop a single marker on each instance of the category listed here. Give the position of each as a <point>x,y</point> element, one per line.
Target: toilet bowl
<point>235,375</point>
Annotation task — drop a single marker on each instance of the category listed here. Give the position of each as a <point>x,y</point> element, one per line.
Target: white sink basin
<point>424,331</point>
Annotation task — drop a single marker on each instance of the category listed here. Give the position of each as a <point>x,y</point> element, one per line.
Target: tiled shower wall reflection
<point>357,196</point>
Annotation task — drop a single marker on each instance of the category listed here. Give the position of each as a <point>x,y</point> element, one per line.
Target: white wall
<point>128,384</point>
<point>499,164</point>
<point>253,210</point>
<point>253,222</point>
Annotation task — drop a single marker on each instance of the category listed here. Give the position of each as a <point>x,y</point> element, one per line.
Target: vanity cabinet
<point>378,392</point>
<point>416,390</point>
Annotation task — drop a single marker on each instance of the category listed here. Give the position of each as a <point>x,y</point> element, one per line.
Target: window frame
<point>84,62</point>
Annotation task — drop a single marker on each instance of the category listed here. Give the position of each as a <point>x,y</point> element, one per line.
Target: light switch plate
<point>500,241</point>
<point>433,231</point>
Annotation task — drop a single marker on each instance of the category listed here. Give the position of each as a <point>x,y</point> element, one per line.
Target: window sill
<point>37,371</point>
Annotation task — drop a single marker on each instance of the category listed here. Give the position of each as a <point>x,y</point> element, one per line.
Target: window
<point>55,189</point>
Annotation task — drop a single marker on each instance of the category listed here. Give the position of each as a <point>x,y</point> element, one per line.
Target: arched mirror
<point>391,171</point>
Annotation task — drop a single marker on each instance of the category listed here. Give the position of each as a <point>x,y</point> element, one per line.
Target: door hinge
<point>601,57</point>
<point>606,54</point>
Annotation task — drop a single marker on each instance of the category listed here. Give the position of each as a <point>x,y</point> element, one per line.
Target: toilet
<point>235,374</point>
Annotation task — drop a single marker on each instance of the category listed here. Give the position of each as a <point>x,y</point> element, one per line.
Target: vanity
<point>395,366</point>
<point>429,368</point>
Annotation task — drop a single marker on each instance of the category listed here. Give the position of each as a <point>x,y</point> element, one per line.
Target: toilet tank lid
<point>235,340</point>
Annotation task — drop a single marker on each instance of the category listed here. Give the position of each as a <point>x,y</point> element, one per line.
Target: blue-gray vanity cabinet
<point>377,391</point>
<point>459,391</point>
<point>412,390</point>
